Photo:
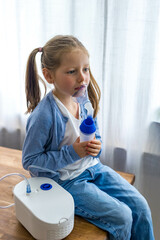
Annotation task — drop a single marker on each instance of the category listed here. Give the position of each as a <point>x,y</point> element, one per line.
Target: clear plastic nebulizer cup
<point>87,129</point>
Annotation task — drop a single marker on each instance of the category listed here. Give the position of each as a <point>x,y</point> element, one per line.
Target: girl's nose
<point>81,77</point>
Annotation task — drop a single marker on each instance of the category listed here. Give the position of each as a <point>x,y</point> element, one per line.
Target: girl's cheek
<point>69,84</point>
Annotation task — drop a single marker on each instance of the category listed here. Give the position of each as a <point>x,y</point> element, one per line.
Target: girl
<point>52,143</point>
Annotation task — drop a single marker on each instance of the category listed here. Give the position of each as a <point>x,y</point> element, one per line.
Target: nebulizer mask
<point>87,127</point>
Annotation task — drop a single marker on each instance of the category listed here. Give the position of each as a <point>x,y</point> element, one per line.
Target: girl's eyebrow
<point>73,66</point>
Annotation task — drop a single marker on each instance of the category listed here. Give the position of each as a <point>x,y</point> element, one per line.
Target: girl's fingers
<point>96,146</point>
<point>95,141</point>
<point>83,144</point>
<point>92,150</point>
<point>93,147</point>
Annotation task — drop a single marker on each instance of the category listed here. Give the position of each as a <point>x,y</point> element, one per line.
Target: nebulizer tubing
<point>28,187</point>
<point>40,168</point>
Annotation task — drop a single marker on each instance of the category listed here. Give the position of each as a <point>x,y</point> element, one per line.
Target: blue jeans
<point>108,201</point>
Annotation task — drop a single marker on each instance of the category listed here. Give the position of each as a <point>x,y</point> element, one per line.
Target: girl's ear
<point>48,75</point>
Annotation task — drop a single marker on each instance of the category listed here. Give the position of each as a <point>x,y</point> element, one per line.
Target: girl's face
<point>72,73</point>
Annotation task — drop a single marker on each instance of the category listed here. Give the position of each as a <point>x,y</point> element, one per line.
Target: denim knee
<point>125,218</point>
<point>123,224</point>
<point>142,207</point>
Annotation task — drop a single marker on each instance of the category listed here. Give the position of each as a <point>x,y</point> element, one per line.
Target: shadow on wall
<point>13,139</point>
<point>153,141</point>
<point>152,150</point>
<point>119,159</point>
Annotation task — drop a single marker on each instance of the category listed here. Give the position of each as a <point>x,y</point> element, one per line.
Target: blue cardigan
<point>44,132</point>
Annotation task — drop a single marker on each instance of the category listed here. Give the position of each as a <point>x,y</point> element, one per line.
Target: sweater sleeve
<point>98,136</point>
<point>41,146</point>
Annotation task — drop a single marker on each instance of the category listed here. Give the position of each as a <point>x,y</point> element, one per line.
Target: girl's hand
<point>80,147</point>
<point>93,147</point>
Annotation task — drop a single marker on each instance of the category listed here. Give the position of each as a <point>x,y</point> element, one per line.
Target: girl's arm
<point>41,146</point>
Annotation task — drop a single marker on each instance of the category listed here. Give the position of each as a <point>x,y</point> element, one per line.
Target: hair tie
<point>40,49</point>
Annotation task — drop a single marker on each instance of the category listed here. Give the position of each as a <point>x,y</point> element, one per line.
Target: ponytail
<point>32,89</point>
<point>94,94</point>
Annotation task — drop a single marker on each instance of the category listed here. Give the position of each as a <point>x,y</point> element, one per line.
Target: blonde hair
<point>51,59</point>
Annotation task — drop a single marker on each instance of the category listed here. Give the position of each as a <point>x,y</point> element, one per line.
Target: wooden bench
<point>10,228</point>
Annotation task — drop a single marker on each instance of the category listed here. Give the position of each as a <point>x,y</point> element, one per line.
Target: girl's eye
<point>71,72</point>
<point>86,69</point>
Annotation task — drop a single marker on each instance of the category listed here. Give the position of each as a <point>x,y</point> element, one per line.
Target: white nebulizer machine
<point>87,127</point>
<point>43,207</point>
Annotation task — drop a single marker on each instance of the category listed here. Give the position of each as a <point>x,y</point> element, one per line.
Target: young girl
<point>52,143</point>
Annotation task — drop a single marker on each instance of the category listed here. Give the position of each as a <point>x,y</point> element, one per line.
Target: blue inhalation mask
<point>81,96</point>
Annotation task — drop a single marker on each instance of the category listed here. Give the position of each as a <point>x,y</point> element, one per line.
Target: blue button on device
<point>46,186</point>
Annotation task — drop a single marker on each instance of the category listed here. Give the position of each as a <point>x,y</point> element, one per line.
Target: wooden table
<point>10,228</point>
